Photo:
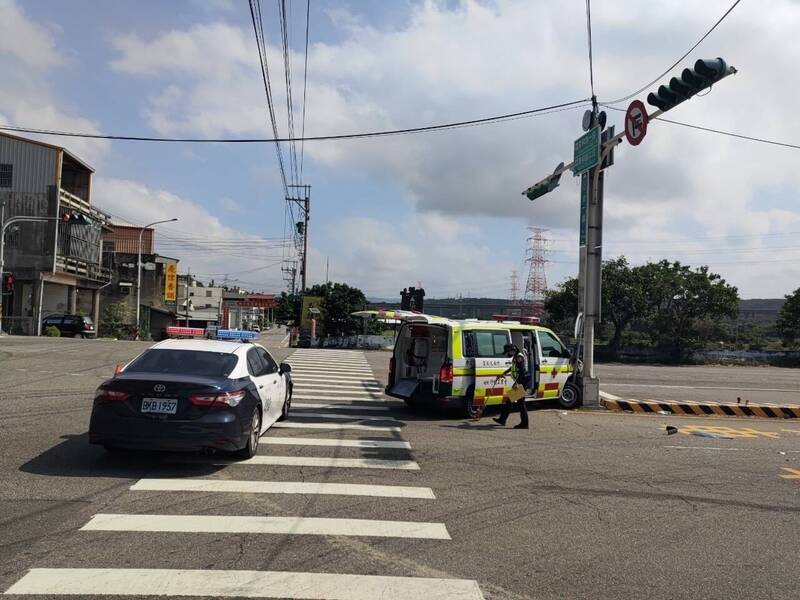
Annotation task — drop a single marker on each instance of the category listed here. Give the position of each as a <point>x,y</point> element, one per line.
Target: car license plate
<point>162,406</point>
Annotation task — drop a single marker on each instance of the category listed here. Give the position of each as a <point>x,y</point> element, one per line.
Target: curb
<point>703,409</point>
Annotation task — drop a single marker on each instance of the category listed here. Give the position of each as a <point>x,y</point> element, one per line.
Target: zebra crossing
<point>340,408</point>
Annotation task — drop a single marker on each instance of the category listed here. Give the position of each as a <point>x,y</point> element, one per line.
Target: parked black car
<point>71,325</point>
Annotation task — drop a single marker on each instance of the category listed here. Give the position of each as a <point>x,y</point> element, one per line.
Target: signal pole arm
<point>5,225</point>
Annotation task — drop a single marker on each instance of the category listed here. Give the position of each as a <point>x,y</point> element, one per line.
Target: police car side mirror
<point>284,368</point>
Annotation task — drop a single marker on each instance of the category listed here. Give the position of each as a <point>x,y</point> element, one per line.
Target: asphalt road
<point>588,504</point>
<point>702,383</point>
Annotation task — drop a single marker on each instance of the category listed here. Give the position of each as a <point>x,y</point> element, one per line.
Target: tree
<point>116,320</point>
<point>339,300</point>
<point>678,300</point>
<point>623,300</point>
<point>286,310</point>
<point>788,325</point>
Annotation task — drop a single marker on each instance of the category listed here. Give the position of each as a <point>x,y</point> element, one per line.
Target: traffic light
<point>75,219</point>
<point>706,73</point>
<point>419,294</point>
<point>8,283</point>
<point>300,227</point>
<point>405,300</point>
<point>546,186</point>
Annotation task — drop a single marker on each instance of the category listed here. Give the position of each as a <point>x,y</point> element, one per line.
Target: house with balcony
<point>56,264</point>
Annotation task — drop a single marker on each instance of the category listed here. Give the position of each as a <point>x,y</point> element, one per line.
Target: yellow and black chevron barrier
<point>701,409</point>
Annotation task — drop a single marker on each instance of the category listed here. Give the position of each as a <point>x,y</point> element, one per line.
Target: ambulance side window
<point>469,344</point>
<point>551,347</point>
<point>489,344</point>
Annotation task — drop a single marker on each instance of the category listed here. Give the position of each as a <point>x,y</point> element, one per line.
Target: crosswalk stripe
<point>331,371</point>
<point>323,376</point>
<point>338,386</point>
<point>328,415</point>
<point>266,525</point>
<point>249,584</point>
<point>282,487</point>
<point>316,360</point>
<point>301,461</point>
<point>376,398</point>
<point>336,443</point>
<point>329,405</point>
<point>355,426</point>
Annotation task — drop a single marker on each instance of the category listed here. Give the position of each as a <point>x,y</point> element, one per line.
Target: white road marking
<point>336,443</point>
<point>354,379</point>
<point>226,583</point>
<point>695,387</point>
<point>339,416</point>
<point>281,487</point>
<point>331,371</point>
<point>329,405</point>
<point>332,386</point>
<point>608,396</point>
<point>730,449</point>
<point>301,461</point>
<point>355,426</point>
<point>365,398</point>
<point>267,525</point>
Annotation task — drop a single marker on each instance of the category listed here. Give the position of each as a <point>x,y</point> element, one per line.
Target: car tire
<point>287,405</point>
<point>470,412</point>
<point>571,396</point>
<point>250,449</point>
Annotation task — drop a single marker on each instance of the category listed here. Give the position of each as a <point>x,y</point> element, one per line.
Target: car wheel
<point>287,405</point>
<point>470,410</point>
<point>249,451</point>
<point>570,396</point>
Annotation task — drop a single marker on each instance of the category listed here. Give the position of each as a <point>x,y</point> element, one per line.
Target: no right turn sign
<point>635,122</point>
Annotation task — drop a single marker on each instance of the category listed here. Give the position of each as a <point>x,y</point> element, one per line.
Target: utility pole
<point>186,292</point>
<point>592,154</point>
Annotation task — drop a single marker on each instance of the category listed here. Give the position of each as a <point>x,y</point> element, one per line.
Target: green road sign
<point>587,151</point>
<point>584,207</point>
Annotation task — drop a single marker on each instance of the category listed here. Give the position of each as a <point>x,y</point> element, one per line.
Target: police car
<point>192,394</point>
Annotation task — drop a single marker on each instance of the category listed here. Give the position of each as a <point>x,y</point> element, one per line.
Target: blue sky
<point>443,209</point>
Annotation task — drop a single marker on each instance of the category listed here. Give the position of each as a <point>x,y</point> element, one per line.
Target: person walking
<point>519,373</point>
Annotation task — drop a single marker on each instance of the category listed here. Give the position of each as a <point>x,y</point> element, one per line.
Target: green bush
<point>51,331</point>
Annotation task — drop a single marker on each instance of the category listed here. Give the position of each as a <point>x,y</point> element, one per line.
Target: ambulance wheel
<point>470,411</point>
<point>570,396</point>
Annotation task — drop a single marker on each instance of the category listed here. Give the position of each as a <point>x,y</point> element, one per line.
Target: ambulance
<point>460,363</point>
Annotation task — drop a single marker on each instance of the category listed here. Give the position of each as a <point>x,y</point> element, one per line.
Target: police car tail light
<point>226,398</point>
<point>446,373</point>
<point>106,395</point>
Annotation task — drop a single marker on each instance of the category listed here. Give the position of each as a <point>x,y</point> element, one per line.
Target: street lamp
<point>139,269</point>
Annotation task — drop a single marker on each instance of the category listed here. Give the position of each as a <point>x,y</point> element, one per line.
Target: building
<point>57,264</point>
<point>243,310</point>
<point>157,297</point>
<point>204,306</point>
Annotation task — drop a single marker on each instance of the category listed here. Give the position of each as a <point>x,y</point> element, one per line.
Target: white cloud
<point>26,41</point>
<point>199,239</point>
<point>447,63</point>
<point>28,53</point>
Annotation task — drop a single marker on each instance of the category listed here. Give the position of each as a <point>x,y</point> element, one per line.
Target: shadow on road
<point>76,457</point>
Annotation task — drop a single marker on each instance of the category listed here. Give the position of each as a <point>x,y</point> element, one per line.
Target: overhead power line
<point>319,138</point>
<point>589,31</point>
<point>305,85</point>
<point>258,30</point>
<point>719,131</point>
<point>677,62</point>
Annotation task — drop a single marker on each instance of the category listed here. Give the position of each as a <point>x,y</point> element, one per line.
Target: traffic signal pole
<point>5,225</point>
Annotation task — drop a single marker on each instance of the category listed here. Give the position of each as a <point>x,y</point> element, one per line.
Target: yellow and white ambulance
<point>459,363</point>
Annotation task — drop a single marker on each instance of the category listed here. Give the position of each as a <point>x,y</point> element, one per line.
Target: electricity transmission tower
<point>533,304</point>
